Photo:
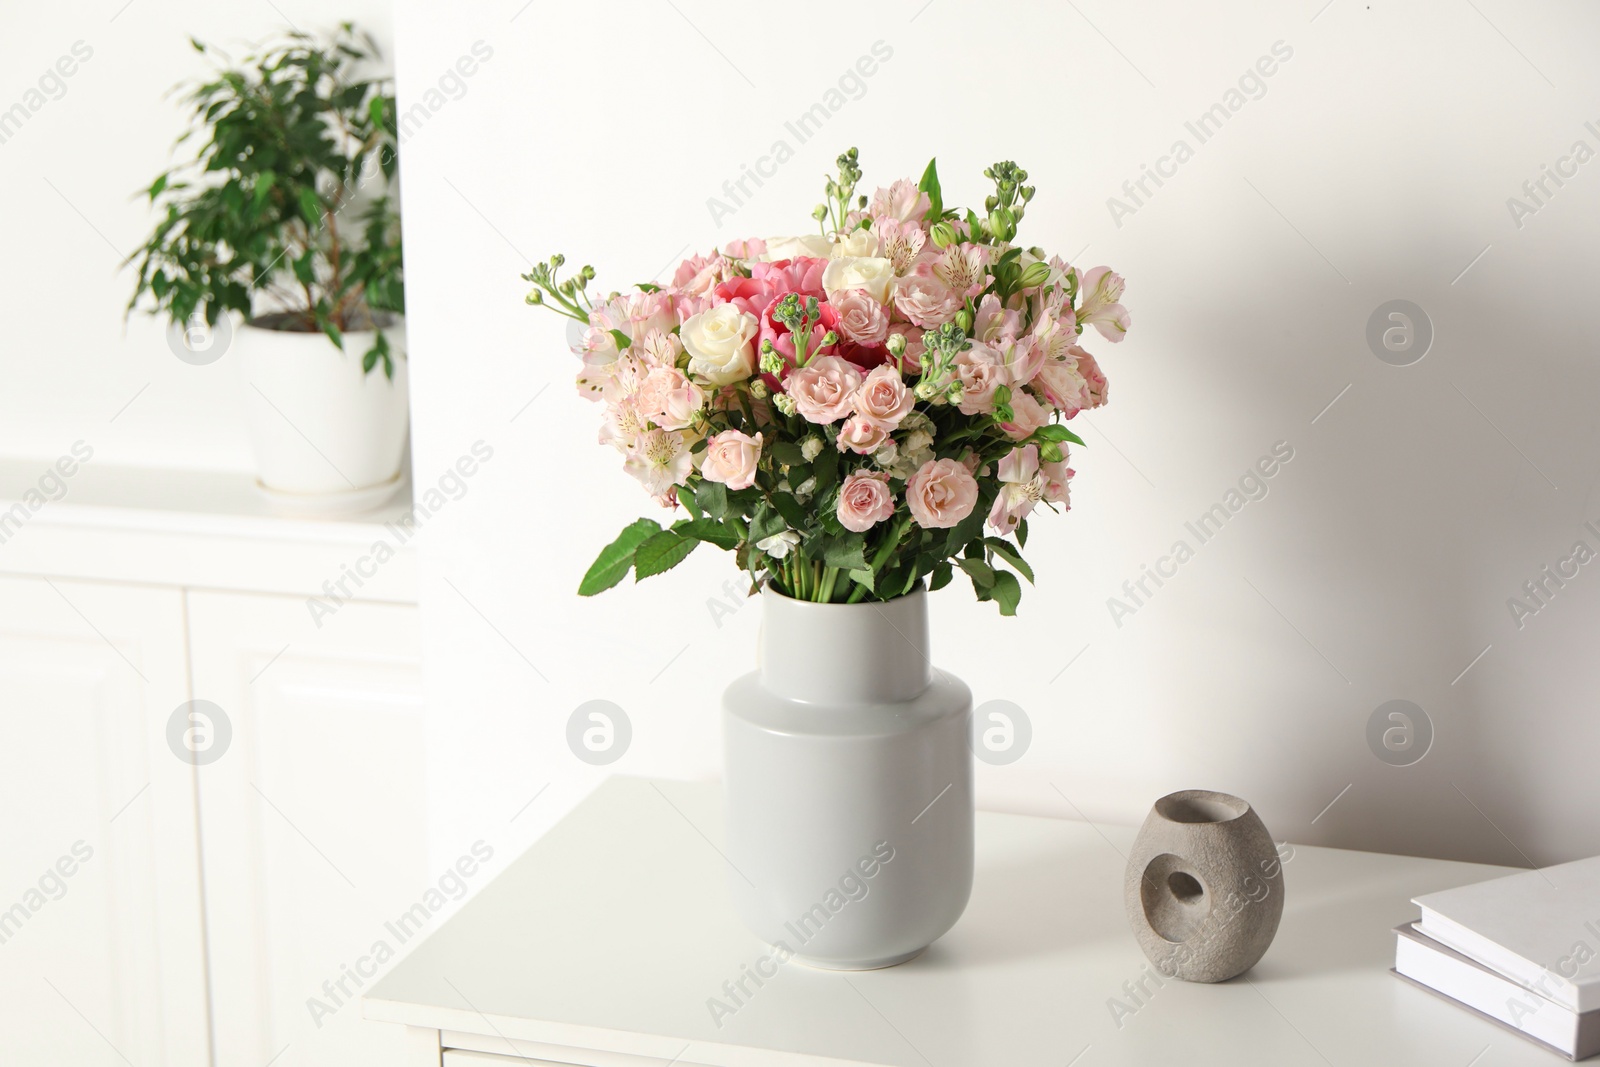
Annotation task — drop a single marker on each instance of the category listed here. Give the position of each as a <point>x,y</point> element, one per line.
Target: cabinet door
<point>101,942</point>
<point>312,822</point>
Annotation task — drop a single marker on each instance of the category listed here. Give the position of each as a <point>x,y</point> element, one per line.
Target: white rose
<point>858,245</point>
<point>814,245</point>
<point>871,273</point>
<point>720,343</point>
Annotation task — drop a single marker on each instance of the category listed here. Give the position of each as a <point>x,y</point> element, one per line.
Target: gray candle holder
<point>1203,886</point>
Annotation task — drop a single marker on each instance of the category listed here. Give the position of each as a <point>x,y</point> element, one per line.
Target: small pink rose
<point>1027,415</point>
<point>731,459</point>
<point>862,435</point>
<point>669,399</point>
<point>926,300</point>
<point>884,398</point>
<point>941,493</point>
<point>861,318</point>
<point>980,370</point>
<point>864,500</point>
<point>824,389</point>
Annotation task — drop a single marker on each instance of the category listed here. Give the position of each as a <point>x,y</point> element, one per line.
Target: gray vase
<point>848,785</point>
<point>1203,886</point>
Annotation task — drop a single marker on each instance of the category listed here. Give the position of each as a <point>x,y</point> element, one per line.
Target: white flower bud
<point>810,448</point>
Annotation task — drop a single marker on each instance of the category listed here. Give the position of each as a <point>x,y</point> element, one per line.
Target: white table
<point>603,943</point>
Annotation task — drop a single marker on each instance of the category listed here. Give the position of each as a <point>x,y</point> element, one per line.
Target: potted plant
<point>285,217</point>
<point>856,414</point>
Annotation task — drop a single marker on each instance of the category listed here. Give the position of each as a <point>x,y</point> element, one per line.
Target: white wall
<point>69,178</point>
<point>1376,165</point>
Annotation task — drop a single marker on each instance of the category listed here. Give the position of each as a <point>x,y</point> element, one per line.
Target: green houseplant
<point>281,210</point>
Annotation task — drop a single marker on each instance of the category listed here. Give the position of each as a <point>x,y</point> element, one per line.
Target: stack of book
<point>1522,951</point>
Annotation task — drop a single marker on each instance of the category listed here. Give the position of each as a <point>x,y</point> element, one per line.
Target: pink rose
<point>864,500</point>
<point>668,398</point>
<point>980,370</point>
<point>824,389</point>
<point>863,435</point>
<point>1099,391</point>
<point>941,493</point>
<point>861,318</point>
<point>926,300</point>
<point>698,275</point>
<point>731,459</point>
<point>1063,386</point>
<point>884,398</point>
<point>1027,415</point>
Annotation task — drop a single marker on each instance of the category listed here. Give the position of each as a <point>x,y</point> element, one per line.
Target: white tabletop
<point>604,942</point>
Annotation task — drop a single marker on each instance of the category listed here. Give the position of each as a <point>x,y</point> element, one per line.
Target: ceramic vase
<point>1203,886</point>
<point>848,784</point>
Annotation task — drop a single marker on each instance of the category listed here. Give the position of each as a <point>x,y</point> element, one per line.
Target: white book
<point>1444,971</point>
<point>1539,928</point>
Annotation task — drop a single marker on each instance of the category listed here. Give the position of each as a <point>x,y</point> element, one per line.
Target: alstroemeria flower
<point>660,460</point>
<point>1101,290</point>
<point>1021,487</point>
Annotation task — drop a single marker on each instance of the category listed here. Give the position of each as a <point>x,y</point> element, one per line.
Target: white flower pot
<point>327,438</point>
<point>848,783</point>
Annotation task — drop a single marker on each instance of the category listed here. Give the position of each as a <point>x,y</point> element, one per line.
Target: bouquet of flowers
<point>848,410</point>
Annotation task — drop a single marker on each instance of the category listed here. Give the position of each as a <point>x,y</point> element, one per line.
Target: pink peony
<point>941,494</point>
<point>884,398</point>
<point>824,389</point>
<point>862,434</point>
<point>864,501</point>
<point>980,370</point>
<point>902,201</point>
<point>861,318</point>
<point>669,399</point>
<point>1063,386</point>
<point>926,300</point>
<point>699,275</point>
<point>731,459</point>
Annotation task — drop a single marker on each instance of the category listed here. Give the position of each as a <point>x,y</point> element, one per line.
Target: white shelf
<point>206,529</point>
<point>602,944</point>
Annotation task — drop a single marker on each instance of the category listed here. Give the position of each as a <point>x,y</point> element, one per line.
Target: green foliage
<point>286,205</point>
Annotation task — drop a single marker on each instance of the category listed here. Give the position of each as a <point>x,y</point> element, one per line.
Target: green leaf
<point>863,578</point>
<point>710,531</point>
<point>790,509</point>
<point>310,208</point>
<point>1004,550</point>
<point>941,575</point>
<point>264,181</point>
<point>689,504</point>
<point>847,552</point>
<point>649,287</point>
<point>930,185</point>
<point>611,566</point>
<point>968,528</point>
<point>661,552</point>
<point>1022,533</point>
<point>1055,432</point>
<point>622,339</point>
<point>712,498</point>
<point>765,522</point>
<point>334,335</point>
<point>788,453</point>
<point>982,575</point>
<point>1007,592</point>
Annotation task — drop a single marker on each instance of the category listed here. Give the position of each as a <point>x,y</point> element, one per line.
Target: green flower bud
<point>897,345</point>
<point>784,403</point>
<point>1003,224</point>
<point>536,297</point>
<point>964,320</point>
<point>943,234</point>
<point>926,390</point>
<point>758,389</point>
<point>829,338</point>
<point>1034,275</point>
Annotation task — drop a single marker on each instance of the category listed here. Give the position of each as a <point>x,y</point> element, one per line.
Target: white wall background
<point>70,180</point>
<point>1376,165</point>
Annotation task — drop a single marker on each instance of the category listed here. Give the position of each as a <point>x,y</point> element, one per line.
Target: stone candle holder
<point>1203,887</point>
